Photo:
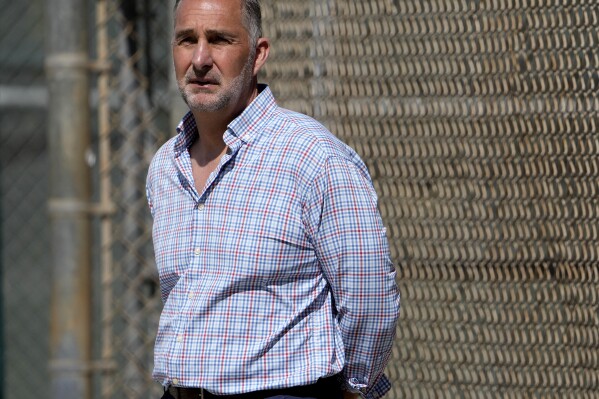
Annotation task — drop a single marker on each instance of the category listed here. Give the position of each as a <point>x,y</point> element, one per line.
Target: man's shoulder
<point>282,127</point>
<point>303,132</point>
<point>299,121</point>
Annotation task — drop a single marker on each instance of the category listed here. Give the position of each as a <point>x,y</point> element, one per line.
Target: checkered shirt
<point>278,272</point>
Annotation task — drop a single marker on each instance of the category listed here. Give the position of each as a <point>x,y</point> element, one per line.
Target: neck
<point>212,125</point>
<point>211,128</point>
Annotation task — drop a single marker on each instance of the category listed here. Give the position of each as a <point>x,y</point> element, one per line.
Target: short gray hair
<point>252,18</point>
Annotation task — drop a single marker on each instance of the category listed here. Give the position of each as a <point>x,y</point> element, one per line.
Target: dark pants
<point>325,388</point>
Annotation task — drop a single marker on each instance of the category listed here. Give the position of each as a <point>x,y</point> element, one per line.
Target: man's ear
<point>262,51</point>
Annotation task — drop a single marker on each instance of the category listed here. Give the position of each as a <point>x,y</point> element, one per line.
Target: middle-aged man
<point>273,261</point>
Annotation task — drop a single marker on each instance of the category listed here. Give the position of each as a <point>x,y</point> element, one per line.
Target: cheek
<point>231,63</point>
<point>181,61</point>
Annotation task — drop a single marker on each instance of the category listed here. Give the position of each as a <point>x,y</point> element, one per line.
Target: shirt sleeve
<point>350,241</point>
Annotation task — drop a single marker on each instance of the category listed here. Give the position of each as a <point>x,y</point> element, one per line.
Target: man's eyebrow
<point>210,32</point>
<point>221,33</point>
<point>184,32</point>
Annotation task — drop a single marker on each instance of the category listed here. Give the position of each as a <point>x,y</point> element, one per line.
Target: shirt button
<point>197,251</point>
<point>179,338</point>
<point>190,296</point>
<point>175,381</point>
<point>200,207</point>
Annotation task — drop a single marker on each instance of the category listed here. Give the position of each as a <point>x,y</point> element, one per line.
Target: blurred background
<point>477,120</point>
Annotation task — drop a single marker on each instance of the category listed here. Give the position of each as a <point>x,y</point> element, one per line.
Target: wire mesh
<point>23,186</point>
<point>137,121</point>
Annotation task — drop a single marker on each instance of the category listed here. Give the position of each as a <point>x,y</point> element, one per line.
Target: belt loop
<point>201,393</point>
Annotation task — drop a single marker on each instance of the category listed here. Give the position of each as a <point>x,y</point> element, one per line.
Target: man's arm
<point>352,248</point>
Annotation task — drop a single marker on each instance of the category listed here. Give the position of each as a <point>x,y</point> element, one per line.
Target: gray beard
<point>224,99</point>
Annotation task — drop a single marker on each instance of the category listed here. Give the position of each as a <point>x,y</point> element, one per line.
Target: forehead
<point>213,13</point>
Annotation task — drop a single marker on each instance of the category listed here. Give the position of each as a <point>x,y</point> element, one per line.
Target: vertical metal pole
<point>68,139</point>
<point>106,238</point>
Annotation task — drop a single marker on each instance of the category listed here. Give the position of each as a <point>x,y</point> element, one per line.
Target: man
<point>273,260</point>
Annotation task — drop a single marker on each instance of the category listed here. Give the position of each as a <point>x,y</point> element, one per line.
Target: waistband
<point>324,388</point>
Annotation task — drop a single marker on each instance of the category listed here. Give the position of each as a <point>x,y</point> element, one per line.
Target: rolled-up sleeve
<point>351,244</point>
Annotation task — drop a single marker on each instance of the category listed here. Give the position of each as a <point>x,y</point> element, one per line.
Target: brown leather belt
<point>325,388</point>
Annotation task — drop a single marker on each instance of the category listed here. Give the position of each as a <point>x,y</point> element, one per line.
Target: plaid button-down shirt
<point>278,273</point>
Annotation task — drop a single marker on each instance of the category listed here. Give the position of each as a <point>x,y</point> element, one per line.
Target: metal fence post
<point>106,225</point>
<point>68,139</point>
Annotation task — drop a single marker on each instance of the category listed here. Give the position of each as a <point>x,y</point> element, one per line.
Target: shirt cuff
<point>378,390</point>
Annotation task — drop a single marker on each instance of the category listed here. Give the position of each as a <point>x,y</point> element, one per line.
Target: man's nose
<point>202,56</point>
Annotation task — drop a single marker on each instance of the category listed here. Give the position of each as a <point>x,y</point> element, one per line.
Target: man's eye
<point>221,40</point>
<point>185,41</point>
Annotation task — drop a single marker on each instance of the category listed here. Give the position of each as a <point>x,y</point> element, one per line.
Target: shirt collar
<point>187,133</point>
<point>241,130</point>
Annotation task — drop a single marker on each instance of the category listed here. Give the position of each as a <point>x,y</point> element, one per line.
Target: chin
<point>206,106</point>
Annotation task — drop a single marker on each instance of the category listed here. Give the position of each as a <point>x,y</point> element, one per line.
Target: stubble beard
<point>223,99</point>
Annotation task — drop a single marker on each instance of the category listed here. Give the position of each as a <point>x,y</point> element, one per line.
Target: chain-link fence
<point>137,100</point>
<point>478,122</point>
<point>23,186</point>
